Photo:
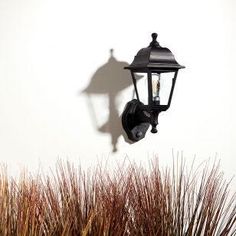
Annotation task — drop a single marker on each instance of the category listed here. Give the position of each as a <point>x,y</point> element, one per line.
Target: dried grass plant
<point>131,201</point>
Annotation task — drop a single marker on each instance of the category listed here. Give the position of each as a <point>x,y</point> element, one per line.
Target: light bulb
<point>156,87</point>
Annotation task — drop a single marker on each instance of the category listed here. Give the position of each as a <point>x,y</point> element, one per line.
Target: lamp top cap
<point>154,58</point>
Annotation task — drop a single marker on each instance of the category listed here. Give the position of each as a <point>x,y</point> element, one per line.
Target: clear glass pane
<point>161,87</point>
<point>142,87</point>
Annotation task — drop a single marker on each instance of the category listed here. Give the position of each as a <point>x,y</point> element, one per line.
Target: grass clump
<point>131,201</point>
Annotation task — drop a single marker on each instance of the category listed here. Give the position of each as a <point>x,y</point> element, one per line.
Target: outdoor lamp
<point>154,91</point>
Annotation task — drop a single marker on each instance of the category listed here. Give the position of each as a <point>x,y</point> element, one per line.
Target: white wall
<point>50,49</point>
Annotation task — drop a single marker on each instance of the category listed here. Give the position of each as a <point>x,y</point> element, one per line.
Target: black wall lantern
<point>159,70</point>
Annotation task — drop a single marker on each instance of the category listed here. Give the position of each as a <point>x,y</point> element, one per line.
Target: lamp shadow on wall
<point>109,80</point>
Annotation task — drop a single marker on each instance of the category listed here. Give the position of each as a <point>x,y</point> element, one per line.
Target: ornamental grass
<point>130,200</point>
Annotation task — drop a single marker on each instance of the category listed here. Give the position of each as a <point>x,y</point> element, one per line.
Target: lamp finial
<point>154,36</point>
<point>154,42</point>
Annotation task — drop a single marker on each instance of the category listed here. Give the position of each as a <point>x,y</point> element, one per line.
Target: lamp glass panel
<point>161,87</point>
<point>142,87</point>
